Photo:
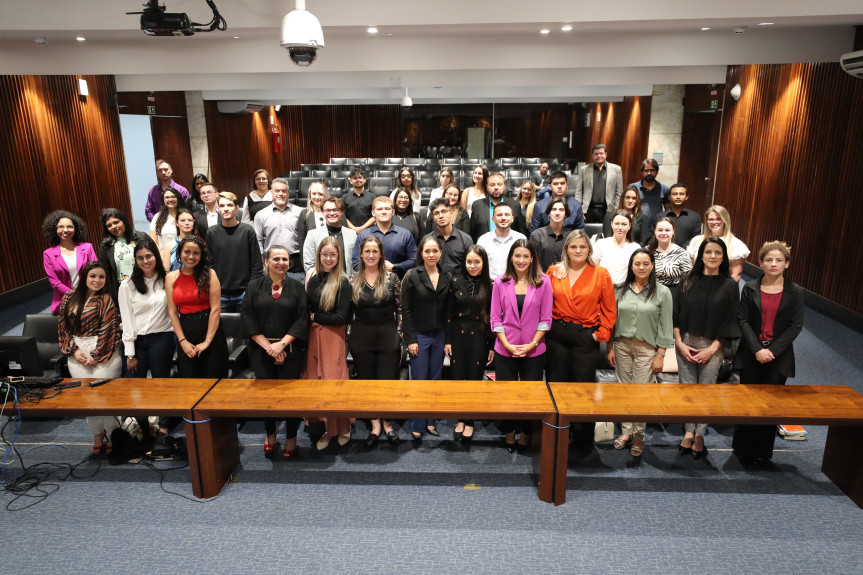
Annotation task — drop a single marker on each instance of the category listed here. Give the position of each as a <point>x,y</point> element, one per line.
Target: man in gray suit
<point>599,186</point>
<point>333,208</point>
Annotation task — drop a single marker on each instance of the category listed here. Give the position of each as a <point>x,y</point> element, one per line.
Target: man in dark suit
<point>209,216</point>
<point>481,210</point>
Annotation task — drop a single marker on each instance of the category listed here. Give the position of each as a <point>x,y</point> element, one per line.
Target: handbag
<point>603,431</point>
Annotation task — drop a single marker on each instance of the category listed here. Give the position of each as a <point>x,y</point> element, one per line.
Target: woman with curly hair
<point>194,304</point>
<point>68,253</point>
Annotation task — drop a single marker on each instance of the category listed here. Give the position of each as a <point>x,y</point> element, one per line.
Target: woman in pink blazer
<point>521,306</point>
<point>67,255</point>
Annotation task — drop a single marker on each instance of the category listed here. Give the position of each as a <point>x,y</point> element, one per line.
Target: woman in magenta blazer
<point>67,255</point>
<point>521,306</point>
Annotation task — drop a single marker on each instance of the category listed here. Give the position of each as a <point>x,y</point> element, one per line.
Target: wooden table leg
<point>842,462</point>
<point>547,436</point>
<point>192,451</point>
<point>561,460</point>
<point>218,452</point>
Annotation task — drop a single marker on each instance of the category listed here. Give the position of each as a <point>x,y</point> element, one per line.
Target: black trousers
<point>213,362</point>
<point>517,369</point>
<point>572,355</point>
<point>756,441</point>
<point>265,367</point>
<point>154,352</point>
<point>376,351</point>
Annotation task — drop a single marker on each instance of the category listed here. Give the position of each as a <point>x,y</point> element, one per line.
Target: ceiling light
<point>705,29</point>
<point>372,30</point>
<point>544,31</point>
<point>406,101</point>
<point>565,28</point>
<point>765,23</point>
<point>278,107</point>
<point>236,37</point>
<point>80,38</point>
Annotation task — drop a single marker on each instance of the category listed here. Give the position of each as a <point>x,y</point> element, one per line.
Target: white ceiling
<point>444,51</point>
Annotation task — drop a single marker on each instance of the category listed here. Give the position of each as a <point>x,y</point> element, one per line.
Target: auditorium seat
<point>238,356</point>
<point>357,161</point>
<point>338,174</point>
<point>451,161</point>
<point>309,167</point>
<point>43,327</point>
<point>338,161</point>
<point>413,162</point>
<point>298,174</point>
<point>530,161</point>
<point>385,173</point>
<point>381,186</point>
<point>320,174</point>
<point>517,173</point>
<point>509,161</point>
<point>393,161</point>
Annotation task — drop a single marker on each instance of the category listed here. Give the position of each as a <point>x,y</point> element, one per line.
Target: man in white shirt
<point>277,225</point>
<point>498,242</point>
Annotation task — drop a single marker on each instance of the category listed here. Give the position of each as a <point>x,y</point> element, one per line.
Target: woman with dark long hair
<point>194,304</point>
<point>163,228</point>
<point>630,201</point>
<point>89,333</point>
<point>374,341</point>
<point>469,340</point>
<point>613,252</point>
<point>477,189</point>
<point>405,216</point>
<point>407,181</point>
<point>446,178</point>
<point>705,319</point>
<point>329,295</point>
<point>68,253</point>
<point>195,203</point>
<point>642,334</point>
<point>148,339</point>
<point>185,227</point>
<point>276,317</point>
<point>118,242</point>
<point>259,198</point>
<point>521,304</point>
<point>424,292</point>
<point>770,317</point>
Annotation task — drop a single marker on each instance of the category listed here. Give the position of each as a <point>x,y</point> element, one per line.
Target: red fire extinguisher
<point>277,139</point>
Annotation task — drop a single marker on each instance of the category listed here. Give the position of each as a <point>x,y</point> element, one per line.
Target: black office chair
<point>43,327</point>
<point>238,354</point>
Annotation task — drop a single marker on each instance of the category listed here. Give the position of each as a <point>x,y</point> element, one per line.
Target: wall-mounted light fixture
<point>736,91</point>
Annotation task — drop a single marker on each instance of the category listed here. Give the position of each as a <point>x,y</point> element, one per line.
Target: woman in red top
<point>194,304</point>
<point>583,315</point>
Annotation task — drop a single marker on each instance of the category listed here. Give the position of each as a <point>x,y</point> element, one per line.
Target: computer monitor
<point>19,356</point>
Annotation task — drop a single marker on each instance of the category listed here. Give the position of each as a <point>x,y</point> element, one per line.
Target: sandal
<point>637,446</point>
<point>98,449</point>
<point>621,443</point>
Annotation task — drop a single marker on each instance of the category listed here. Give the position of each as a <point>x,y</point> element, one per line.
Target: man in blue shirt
<point>559,185</point>
<point>400,249</point>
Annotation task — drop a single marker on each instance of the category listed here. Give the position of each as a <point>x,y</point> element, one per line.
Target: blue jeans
<point>232,303</point>
<point>428,364</point>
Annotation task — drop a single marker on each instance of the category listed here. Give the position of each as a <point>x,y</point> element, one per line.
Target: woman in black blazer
<point>770,317</point>
<point>116,251</point>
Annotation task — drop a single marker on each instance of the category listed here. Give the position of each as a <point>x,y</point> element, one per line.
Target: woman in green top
<point>642,333</point>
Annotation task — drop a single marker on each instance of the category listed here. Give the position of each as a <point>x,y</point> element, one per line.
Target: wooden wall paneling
<point>171,143</point>
<point>789,164</point>
<point>699,143</point>
<point>59,151</point>
<point>624,128</point>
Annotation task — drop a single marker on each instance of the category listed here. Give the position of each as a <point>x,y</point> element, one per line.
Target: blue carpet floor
<point>408,509</point>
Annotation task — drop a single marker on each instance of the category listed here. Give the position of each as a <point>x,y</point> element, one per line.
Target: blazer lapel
<point>511,303</point>
<point>528,299</point>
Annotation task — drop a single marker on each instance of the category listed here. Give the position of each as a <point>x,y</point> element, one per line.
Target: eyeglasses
<point>714,220</point>
<point>331,210</point>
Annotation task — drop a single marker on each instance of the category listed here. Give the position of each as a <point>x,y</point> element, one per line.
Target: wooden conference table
<point>838,406</point>
<point>218,446</point>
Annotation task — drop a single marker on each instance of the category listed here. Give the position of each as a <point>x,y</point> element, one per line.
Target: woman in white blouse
<point>477,189</point>
<point>447,178</point>
<point>717,223</point>
<point>613,253</point>
<point>163,228</point>
<point>148,339</point>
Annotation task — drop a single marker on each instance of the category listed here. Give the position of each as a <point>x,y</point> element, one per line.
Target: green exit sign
<point>714,104</point>
<point>151,110</point>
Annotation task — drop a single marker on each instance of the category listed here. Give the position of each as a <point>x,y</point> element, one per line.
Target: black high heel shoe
<point>393,437</point>
<point>522,447</point>
<point>456,435</point>
<point>683,449</point>
<point>371,440</point>
<point>432,430</point>
<point>467,438</point>
<point>699,454</point>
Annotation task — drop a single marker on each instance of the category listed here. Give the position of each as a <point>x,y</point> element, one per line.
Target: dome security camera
<point>302,35</point>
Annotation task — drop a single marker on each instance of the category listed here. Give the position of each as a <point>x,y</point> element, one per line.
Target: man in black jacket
<point>481,210</point>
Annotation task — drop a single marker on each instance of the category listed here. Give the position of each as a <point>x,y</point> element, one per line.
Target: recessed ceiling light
<point>236,37</point>
<point>80,39</point>
<point>372,30</point>
<point>765,23</point>
<point>386,34</point>
<point>705,29</point>
<point>544,31</point>
<point>565,28</point>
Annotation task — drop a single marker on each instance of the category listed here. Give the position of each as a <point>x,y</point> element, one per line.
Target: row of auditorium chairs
<point>440,162</point>
<point>336,174</point>
<point>379,186</point>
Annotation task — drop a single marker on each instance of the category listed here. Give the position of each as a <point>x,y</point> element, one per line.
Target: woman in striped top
<point>89,333</point>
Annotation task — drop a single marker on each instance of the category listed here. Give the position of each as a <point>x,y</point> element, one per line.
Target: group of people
<point>467,284</point>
